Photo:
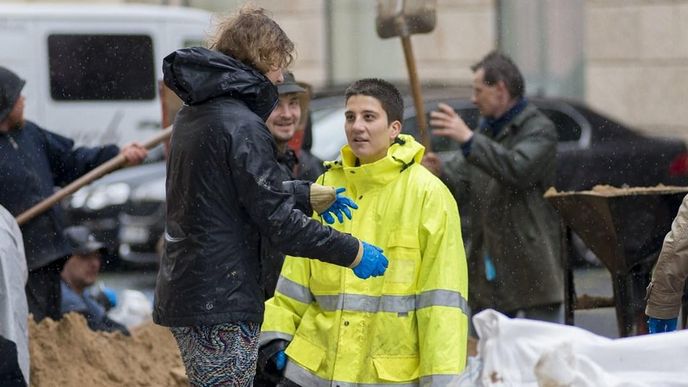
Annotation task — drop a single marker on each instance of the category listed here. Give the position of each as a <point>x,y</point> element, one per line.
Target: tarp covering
<point>520,352</point>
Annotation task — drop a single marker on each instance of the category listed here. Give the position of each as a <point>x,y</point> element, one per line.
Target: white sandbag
<point>519,352</point>
<point>132,310</point>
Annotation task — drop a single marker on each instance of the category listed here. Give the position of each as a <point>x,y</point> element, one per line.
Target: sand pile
<point>68,353</point>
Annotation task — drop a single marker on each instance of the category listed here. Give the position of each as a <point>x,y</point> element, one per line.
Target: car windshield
<point>328,133</point>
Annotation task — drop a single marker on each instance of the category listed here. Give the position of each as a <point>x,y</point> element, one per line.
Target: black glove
<point>267,369</point>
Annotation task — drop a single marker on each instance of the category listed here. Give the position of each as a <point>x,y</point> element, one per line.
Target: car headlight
<point>153,191</point>
<point>79,198</point>
<point>108,195</point>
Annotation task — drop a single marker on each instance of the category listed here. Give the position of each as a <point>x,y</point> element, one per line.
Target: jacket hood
<point>405,152</point>
<point>198,74</point>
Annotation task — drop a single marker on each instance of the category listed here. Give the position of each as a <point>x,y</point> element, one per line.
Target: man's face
<point>367,128</point>
<point>82,270</point>
<point>16,117</point>
<point>489,99</point>
<point>284,119</point>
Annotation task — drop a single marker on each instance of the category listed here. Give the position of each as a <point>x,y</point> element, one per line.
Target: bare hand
<point>447,123</point>
<point>134,153</point>
<point>433,163</point>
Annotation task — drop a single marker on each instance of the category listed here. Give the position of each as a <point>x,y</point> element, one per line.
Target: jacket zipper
<point>14,143</point>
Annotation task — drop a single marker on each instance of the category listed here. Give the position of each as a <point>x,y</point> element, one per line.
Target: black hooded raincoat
<point>224,190</point>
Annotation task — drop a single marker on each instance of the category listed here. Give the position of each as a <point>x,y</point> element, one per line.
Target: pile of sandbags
<point>527,353</point>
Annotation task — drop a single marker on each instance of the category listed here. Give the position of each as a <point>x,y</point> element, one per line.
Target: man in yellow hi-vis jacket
<point>324,326</point>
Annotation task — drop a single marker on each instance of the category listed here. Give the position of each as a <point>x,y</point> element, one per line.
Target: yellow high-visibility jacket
<point>408,327</point>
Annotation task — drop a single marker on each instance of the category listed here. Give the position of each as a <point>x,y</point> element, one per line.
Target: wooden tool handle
<point>103,169</point>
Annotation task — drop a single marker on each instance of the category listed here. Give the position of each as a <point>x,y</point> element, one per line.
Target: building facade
<point>626,58</point>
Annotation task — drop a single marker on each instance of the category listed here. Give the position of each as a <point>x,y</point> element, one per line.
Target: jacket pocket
<point>403,251</point>
<point>396,369</point>
<point>305,353</point>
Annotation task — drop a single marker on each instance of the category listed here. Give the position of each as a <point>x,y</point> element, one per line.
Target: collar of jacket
<point>288,158</point>
<point>14,131</point>
<point>497,124</point>
<point>197,75</point>
<point>402,154</point>
<point>517,121</point>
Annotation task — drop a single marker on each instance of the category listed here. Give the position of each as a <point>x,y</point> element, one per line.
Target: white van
<point>92,71</point>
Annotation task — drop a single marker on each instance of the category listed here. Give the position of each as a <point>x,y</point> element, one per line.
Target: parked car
<point>100,204</point>
<point>593,149</point>
<point>142,222</point>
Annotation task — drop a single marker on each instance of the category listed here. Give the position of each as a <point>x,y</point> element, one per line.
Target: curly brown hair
<point>252,37</point>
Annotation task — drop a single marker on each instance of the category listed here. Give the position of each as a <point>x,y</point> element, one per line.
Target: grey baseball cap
<point>82,241</point>
<point>289,85</point>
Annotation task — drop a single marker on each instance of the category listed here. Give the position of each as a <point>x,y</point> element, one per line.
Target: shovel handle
<point>415,91</point>
<point>103,169</point>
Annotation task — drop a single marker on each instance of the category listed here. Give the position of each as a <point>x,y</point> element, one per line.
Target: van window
<point>194,43</point>
<point>101,67</point>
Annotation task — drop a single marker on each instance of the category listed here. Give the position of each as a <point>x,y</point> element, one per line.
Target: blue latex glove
<point>110,295</point>
<point>280,360</point>
<point>339,208</point>
<point>658,325</point>
<point>373,262</point>
<point>490,270</point>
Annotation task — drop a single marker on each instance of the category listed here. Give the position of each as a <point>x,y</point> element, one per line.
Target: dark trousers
<point>263,381</point>
<point>287,383</point>
<point>10,373</point>
<point>43,291</point>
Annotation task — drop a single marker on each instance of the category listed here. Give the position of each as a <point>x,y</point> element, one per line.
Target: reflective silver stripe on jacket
<point>304,377</point>
<point>268,336</point>
<point>441,297</point>
<point>293,290</point>
<point>440,380</point>
<point>392,304</point>
<point>373,304</point>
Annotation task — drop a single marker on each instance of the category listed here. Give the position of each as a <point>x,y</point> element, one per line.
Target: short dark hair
<point>385,92</point>
<point>499,67</point>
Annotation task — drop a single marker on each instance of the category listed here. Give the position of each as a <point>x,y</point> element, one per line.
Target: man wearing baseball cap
<point>34,161</point>
<point>283,123</point>
<point>81,271</point>
<point>290,116</point>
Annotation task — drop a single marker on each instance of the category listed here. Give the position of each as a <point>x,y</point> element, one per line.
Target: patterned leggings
<point>219,355</point>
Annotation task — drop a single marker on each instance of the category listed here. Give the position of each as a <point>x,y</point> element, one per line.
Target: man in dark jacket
<point>282,124</point>
<point>225,191</point>
<point>286,119</point>
<point>33,161</point>
<point>499,178</point>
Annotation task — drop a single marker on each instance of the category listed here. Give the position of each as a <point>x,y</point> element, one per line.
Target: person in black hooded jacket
<point>224,191</point>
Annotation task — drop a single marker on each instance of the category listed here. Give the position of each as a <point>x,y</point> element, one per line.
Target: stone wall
<point>637,62</point>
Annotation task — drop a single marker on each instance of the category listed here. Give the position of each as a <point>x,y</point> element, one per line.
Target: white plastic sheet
<point>14,311</point>
<point>519,352</point>
<point>133,309</point>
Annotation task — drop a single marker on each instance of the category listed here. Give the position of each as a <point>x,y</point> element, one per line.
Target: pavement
<point>595,281</point>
